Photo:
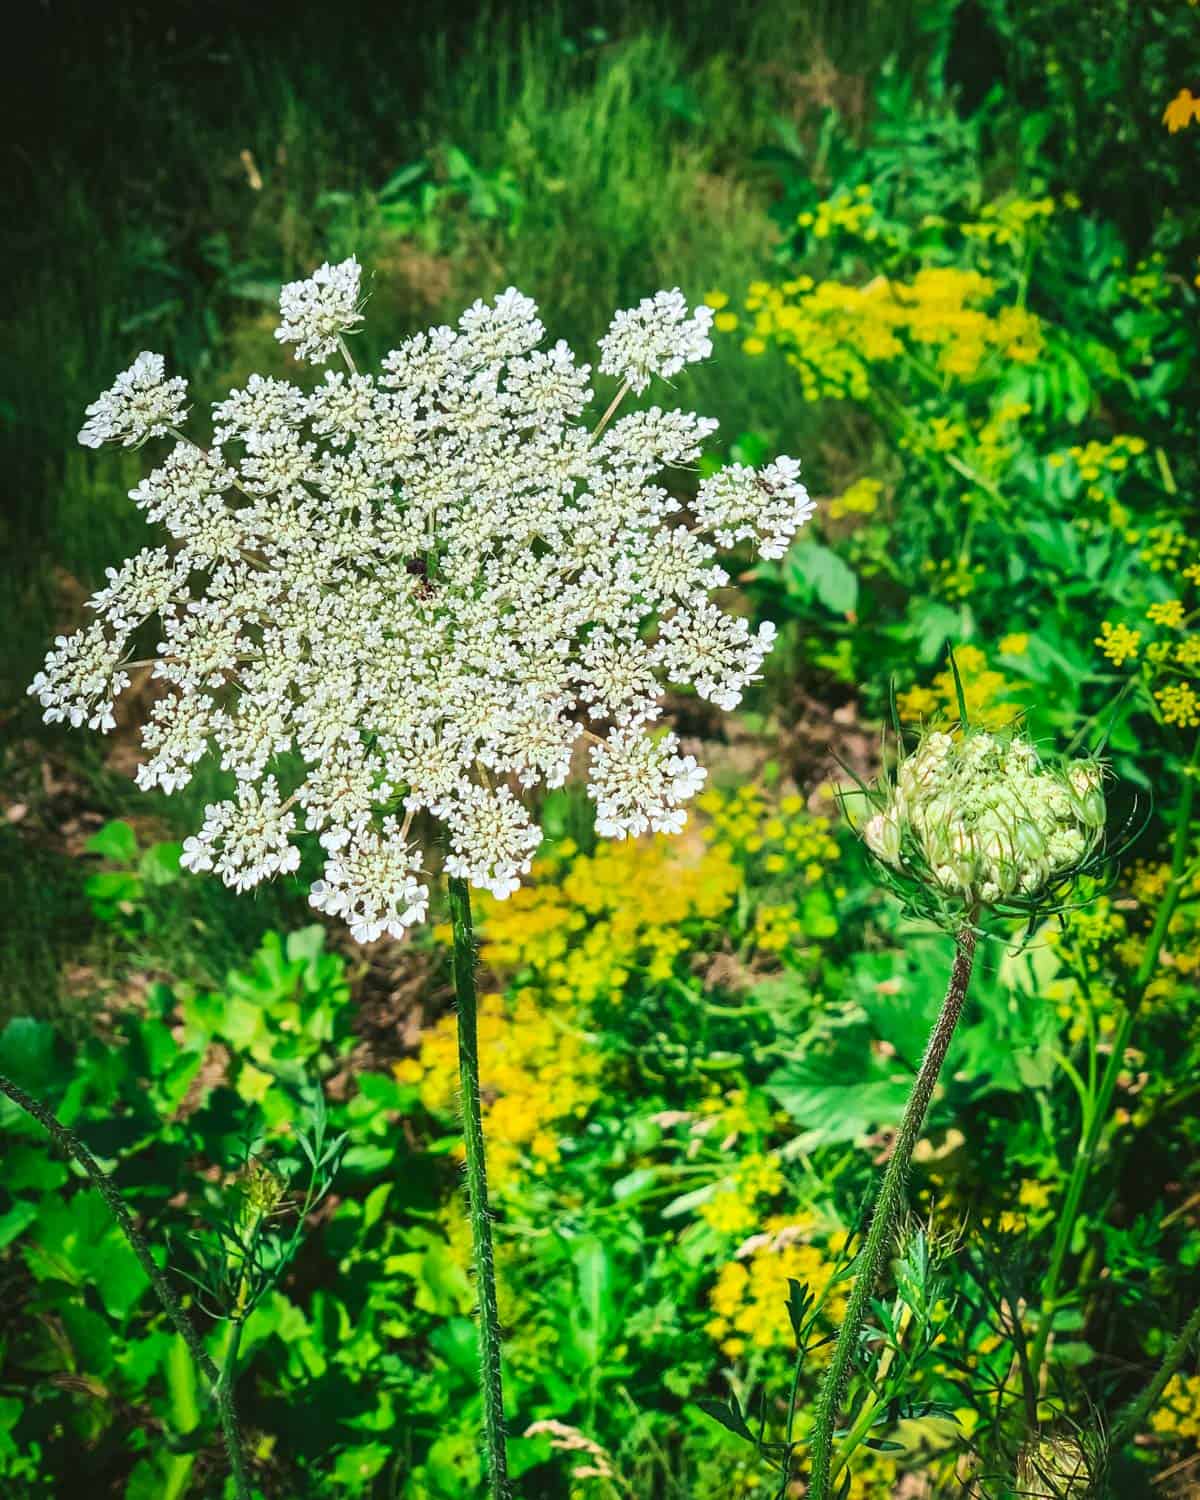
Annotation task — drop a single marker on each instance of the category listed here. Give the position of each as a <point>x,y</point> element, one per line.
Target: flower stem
<point>1096,1117</point>
<point>68,1142</point>
<point>228,1411</point>
<point>1129,1422</point>
<point>477,1196</point>
<point>888,1206</point>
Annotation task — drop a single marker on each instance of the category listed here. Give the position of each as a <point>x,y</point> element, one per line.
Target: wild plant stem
<point>1096,1117</point>
<point>227,1410</point>
<point>888,1206</point>
<point>69,1143</point>
<point>495,1452</point>
<point>1129,1423</point>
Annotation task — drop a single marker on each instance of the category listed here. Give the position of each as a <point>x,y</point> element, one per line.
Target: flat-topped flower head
<point>976,820</point>
<point>315,312</point>
<point>140,404</point>
<point>419,593</point>
<point>657,337</point>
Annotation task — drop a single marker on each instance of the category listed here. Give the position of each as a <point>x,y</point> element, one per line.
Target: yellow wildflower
<point>1168,612</point>
<point>750,1297</point>
<point>1179,704</point>
<point>1118,642</point>
<point>536,1074</point>
<point>1181,111</point>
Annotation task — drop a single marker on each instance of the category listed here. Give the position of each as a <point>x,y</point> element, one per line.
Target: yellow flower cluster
<point>1167,612</point>
<point>1163,548</point>
<point>732,1209</point>
<point>536,1072</point>
<point>833,332</point>
<point>776,928</point>
<point>1033,1199</point>
<point>1089,932</point>
<point>952,578</point>
<point>588,922</point>
<point>850,212</point>
<point>1178,1416</point>
<point>1180,704</point>
<point>1007,221</point>
<point>1118,642</point>
<point>999,438</point>
<point>749,1300</point>
<point>1171,665</point>
<point>1181,111</point>
<point>984,691</point>
<point>859,499</point>
<point>789,841</point>
<point>1100,467</point>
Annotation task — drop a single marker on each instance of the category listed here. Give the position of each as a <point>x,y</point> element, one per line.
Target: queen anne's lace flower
<point>141,403</point>
<point>641,784</point>
<point>768,506</point>
<point>415,593</point>
<point>245,840</point>
<point>315,312</point>
<point>372,885</point>
<point>657,337</point>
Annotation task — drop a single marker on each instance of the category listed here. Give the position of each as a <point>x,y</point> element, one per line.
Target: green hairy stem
<point>220,1382</point>
<point>888,1207</point>
<point>1130,1421</point>
<point>477,1194</point>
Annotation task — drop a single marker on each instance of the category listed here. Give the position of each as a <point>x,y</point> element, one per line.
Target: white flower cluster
<point>984,819</point>
<point>141,403</point>
<point>657,337</point>
<point>315,312</point>
<point>417,590</point>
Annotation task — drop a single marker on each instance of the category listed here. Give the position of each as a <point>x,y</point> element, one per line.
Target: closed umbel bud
<point>980,820</point>
<point>1054,1469</point>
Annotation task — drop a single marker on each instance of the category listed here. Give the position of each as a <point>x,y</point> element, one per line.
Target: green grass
<point>631,157</point>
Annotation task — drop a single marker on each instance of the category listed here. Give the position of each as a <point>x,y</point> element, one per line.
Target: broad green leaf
<point>115,841</point>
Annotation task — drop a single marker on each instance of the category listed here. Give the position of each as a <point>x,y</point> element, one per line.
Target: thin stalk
<point>227,1411</point>
<point>69,1143</point>
<point>477,1196</point>
<point>888,1206</point>
<point>1130,1421</point>
<point>1096,1117</point>
<point>612,406</point>
<point>870,1410</point>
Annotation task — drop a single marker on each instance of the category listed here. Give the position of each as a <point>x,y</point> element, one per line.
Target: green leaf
<point>182,1386</point>
<point>728,1413</point>
<point>826,1097</point>
<point>32,1166</point>
<point>160,864</point>
<point>163,1476</point>
<point>813,567</point>
<point>90,1335</point>
<point>17,1220</point>
<point>115,841</point>
<point>799,1303</point>
<point>593,1311</point>
<point>27,1052</point>
<point>634,1184</point>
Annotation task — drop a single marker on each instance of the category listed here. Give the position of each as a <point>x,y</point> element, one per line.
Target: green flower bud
<point>1054,1469</point>
<point>979,820</point>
